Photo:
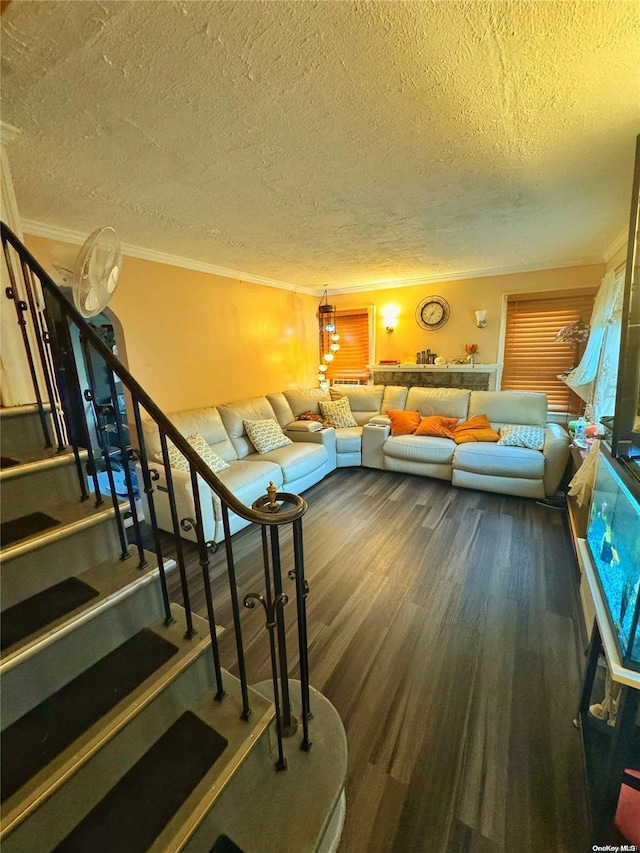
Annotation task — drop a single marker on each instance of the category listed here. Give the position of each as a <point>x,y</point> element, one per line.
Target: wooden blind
<point>532,356</point>
<point>351,360</point>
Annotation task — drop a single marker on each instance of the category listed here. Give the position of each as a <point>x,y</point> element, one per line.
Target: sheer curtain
<point>594,379</point>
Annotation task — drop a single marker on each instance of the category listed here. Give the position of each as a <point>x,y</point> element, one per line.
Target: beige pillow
<point>266,434</point>
<point>338,413</point>
<point>179,462</point>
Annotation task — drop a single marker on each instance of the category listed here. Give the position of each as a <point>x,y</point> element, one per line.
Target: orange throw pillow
<point>437,425</point>
<point>477,428</point>
<point>403,423</point>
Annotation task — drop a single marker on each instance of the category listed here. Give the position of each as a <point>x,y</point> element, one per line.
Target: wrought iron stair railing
<point>62,352</point>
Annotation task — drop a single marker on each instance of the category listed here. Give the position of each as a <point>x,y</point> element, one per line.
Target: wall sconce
<point>480,319</point>
<point>390,318</point>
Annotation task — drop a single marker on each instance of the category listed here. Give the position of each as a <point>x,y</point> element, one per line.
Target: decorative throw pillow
<point>337,413</point>
<point>437,425</point>
<point>179,462</point>
<point>311,416</point>
<point>477,428</point>
<point>402,422</point>
<point>522,436</point>
<point>265,435</point>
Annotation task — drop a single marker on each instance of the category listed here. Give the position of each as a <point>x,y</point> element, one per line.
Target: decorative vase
<point>471,359</point>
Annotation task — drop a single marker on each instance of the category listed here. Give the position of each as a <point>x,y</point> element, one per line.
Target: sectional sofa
<point>314,450</point>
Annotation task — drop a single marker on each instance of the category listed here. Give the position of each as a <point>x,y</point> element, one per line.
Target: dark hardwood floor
<point>444,626</point>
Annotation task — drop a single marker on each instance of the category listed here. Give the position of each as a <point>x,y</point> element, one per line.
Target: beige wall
<point>195,339</point>
<point>464,298</point>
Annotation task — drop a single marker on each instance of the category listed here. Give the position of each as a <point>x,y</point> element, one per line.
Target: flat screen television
<point>625,429</point>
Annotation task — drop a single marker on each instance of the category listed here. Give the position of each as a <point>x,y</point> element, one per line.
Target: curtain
<point>595,378</point>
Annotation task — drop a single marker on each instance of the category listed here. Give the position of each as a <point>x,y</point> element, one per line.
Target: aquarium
<point>613,537</point>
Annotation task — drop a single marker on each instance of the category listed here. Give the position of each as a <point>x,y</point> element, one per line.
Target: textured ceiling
<point>329,143</point>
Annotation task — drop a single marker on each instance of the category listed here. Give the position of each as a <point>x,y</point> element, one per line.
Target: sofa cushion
<point>365,400</point>
<point>476,428</point>
<point>349,440</point>
<point>437,426</point>
<point>403,422</point>
<point>281,408</point>
<point>447,402</point>
<point>235,414</point>
<point>394,397</point>
<point>297,460</point>
<point>522,436</point>
<point>266,434</point>
<point>205,422</point>
<point>248,480</point>
<point>484,458</point>
<point>510,407</point>
<point>337,413</point>
<point>305,400</point>
<point>420,448</point>
<point>180,463</point>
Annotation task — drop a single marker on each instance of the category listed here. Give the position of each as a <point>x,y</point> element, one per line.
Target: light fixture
<point>327,338</point>
<point>390,318</point>
<point>480,319</point>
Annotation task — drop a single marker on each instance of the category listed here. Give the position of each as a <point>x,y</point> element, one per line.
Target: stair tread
<point>72,516</point>
<point>137,808</point>
<point>26,527</point>
<point>34,740</point>
<point>112,579</point>
<point>33,614</point>
<point>28,461</point>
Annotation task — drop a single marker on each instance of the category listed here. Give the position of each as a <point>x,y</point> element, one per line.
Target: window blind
<point>533,358</point>
<point>351,360</point>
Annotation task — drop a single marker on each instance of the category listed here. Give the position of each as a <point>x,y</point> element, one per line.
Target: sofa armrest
<point>556,455</point>
<point>373,437</point>
<point>380,420</point>
<point>185,505</point>
<point>325,436</point>
<point>304,426</point>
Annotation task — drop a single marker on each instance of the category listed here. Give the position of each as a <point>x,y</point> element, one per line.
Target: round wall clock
<point>432,313</point>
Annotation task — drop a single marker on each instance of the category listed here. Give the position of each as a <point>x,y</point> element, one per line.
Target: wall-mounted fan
<point>95,273</point>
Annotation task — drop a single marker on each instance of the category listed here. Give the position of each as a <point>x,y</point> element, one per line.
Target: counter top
<point>433,367</point>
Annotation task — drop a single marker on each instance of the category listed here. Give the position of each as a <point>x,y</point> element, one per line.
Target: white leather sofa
<point>486,466</point>
<point>292,468</point>
<point>317,451</point>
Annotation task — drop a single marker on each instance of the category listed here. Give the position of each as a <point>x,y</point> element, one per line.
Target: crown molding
<point>66,235</point>
<point>457,276</point>
<point>617,244</point>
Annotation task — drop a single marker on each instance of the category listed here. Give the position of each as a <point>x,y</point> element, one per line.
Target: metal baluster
<point>203,548</point>
<point>302,590</point>
<point>127,470</point>
<point>231,572</point>
<point>37,327</point>
<point>176,529</point>
<point>148,490</point>
<point>271,614</point>
<point>21,307</point>
<point>289,722</point>
<point>90,396</point>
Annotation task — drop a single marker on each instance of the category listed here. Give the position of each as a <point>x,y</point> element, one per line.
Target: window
<point>354,327</point>
<point>533,358</point>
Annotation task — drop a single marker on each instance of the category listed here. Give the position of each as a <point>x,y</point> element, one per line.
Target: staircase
<point>120,730</point>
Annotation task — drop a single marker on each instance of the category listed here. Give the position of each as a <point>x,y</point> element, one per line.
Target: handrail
<point>298,505</point>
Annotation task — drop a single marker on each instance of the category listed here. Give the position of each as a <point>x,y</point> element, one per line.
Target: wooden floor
<point>444,627</point>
